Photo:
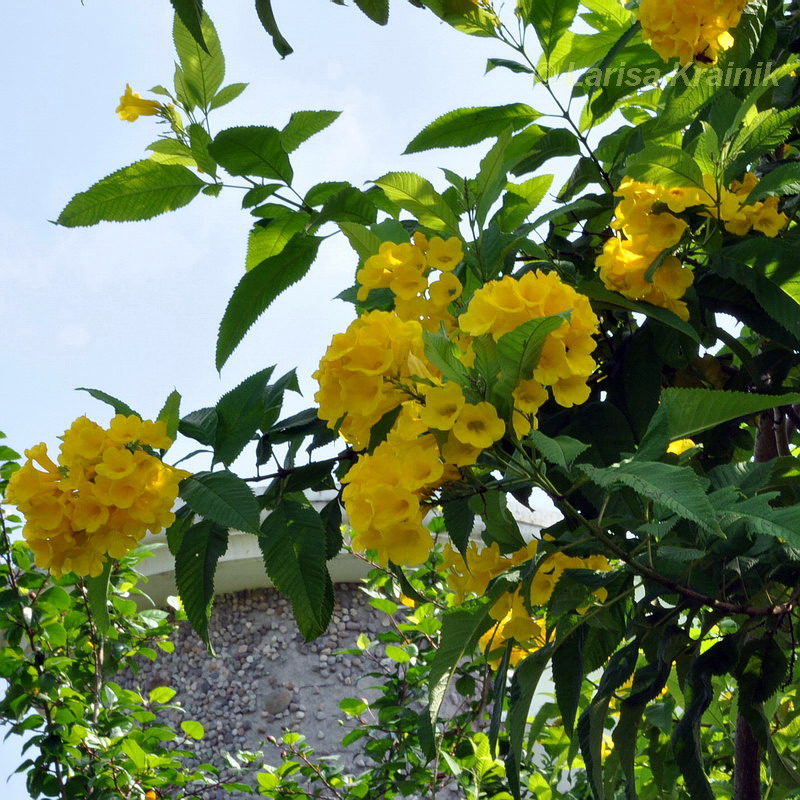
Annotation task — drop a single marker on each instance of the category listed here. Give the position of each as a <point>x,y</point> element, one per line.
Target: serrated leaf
<point>376,10</point>
<point>467,126</point>
<point>259,287</point>
<point>521,200</point>
<point>191,15</point>
<point>267,18</point>
<point>459,520</point>
<point>560,450</point>
<point>252,150</point>
<point>520,696</point>
<point>462,627</point>
<point>505,63</point>
<point>266,241</point>
<point>293,543</point>
<point>666,165</point>
<point>518,351</point>
<point>444,355</point>
<point>568,671</point>
<point>417,195</point>
<point>678,489</point>
<point>140,191</point>
<point>303,125</point>
<point>193,729</point>
<point>227,94</point>
<point>203,67</point>
<point>203,544</point>
<point>544,145</point>
<point>239,414</point>
<point>223,498</point>
<point>199,139</point>
<point>349,204</point>
<point>361,239</point>
<point>200,425</point>
<point>97,594</point>
<point>551,19</point>
<point>118,406</point>
<point>170,413</point>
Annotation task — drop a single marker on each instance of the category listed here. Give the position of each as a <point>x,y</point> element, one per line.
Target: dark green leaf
<point>551,19</point>
<point>97,594</point>
<point>294,546</point>
<point>376,10</point>
<point>259,287</point>
<point>200,425</point>
<point>459,520</point>
<point>195,566</point>
<point>444,355</point>
<point>267,17</point>
<point>303,125</point>
<point>143,190</point>
<point>239,414</point>
<point>253,150</point>
<point>223,498</point>
<point>268,238</point>
<point>561,450</point>
<point>227,94</point>
<point>191,15</point>
<point>568,670</point>
<point>466,126</point>
<point>118,406</point>
<point>519,350</point>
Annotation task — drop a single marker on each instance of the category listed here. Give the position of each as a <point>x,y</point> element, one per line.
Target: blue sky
<point>133,308</point>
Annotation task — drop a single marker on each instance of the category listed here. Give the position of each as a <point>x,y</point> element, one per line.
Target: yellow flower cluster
<point>472,575</point>
<point>645,219</point>
<point>132,106</point>
<point>565,363</point>
<point>378,364</point>
<point>688,30</point>
<point>728,205</point>
<point>406,270</point>
<point>361,372</point>
<point>625,261</point>
<point>100,499</point>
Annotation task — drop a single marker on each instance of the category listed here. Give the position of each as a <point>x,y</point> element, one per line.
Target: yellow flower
<point>680,446</point>
<point>132,106</point>
<point>478,425</point>
<point>444,255</point>
<point>442,406</point>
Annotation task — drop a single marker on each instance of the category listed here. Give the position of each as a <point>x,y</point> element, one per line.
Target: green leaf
<point>444,355</point>
<point>551,19</point>
<point>193,729</point>
<point>568,670</point>
<point>195,565</point>
<point>376,10</point>
<point>556,143</point>
<point>361,239</point>
<point>140,191</point>
<point>462,627</point>
<point>501,527</point>
<point>259,287</point>
<point>267,17</point>
<point>519,350</point>
<point>267,240</point>
<point>200,139</point>
<point>348,204</point>
<point>783,180</point>
<point>416,195</point>
<point>605,297</point>
<point>666,165</point>
<point>303,125</point>
<point>252,150</point>
<point>521,200</point>
<point>560,450</point>
<point>294,546</point>
<point>203,66</point>
<point>767,268</point>
<point>223,498</point>
<point>161,694</point>
<point>170,413</point>
<point>118,406</point>
<point>191,15</point>
<point>459,520</point>
<point>97,594</point>
<point>200,425</point>
<point>171,151</point>
<point>505,63</point>
<point>523,687</point>
<point>678,489</point>
<point>466,126</point>
<point>239,414</point>
<point>227,94</point>
<point>692,411</point>
<point>491,177</point>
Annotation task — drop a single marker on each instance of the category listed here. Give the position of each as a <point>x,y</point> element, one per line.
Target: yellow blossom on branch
<point>132,106</point>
